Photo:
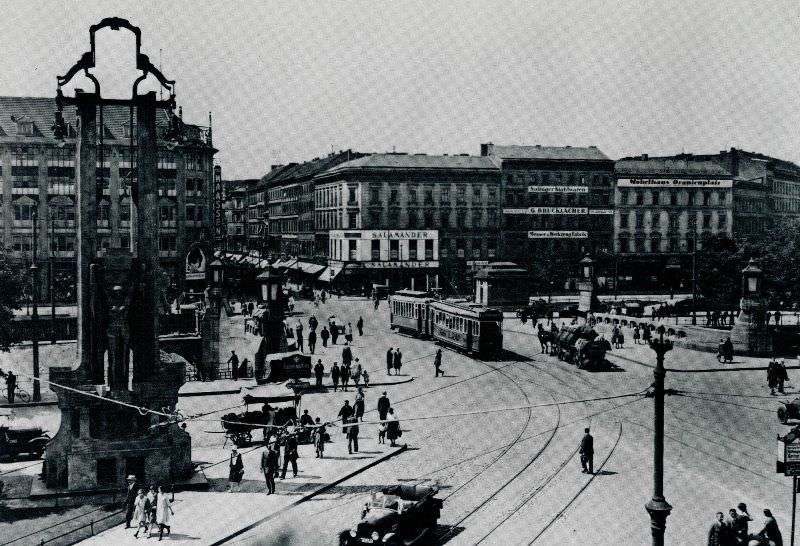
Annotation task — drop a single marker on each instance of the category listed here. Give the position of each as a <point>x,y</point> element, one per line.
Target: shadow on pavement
<point>446,533</point>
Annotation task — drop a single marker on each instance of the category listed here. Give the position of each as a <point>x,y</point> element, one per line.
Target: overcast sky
<point>289,81</point>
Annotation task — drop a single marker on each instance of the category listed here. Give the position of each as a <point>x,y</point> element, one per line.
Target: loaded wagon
<point>579,345</point>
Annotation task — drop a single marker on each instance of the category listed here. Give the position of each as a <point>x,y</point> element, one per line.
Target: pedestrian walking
<point>324,334</point>
<point>777,318</point>
<point>348,333</point>
<point>233,362</point>
<point>360,326</point>
<point>587,452</point>
<point>319,438</point>
<point>11,386</point>
<point>437,363</point>
<point>365,378</point>
<point>717,534</point>
<point>646,334</point>
<point>298,331</point>
<point>376,303</point>
<point>335,372</point>
<point>389,361</point>
<point>636,335</point>
<point>359,404</point>
<point>383,406</point>
<point>269,466</point>
<point>345,412</point>
<point>770,531</point>
<point>782,375</point>
<point>141,512</point>
<point>291,304</point>
<point>312,341</point>
<point>312,324</point>
<point>131,491</point>
<point>345,376</point>
<point>352,436</point>
<point>152,502</point>
<point>319,369</point>
<point>163,513</point>
<point>393,431</point>
<point>347,355</point>
<point>398,361</point>
<point>290,455</point>
<point>306,420</point>
<point>728,349</point>
<point>235,471</point>
<point>250,307</point>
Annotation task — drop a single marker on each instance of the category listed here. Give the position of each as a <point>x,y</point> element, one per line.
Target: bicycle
<point>20,394</point>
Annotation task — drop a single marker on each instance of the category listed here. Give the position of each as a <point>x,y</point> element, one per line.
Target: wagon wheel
<point>783,415</point>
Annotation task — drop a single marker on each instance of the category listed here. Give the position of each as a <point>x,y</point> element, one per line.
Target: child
<point>365,378</point>
<point>382,433</point>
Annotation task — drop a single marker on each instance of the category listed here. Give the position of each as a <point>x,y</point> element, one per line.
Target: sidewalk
<point>212,516</point>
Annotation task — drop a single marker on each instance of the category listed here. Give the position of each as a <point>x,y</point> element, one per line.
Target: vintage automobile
<point>790,409</point>
<point>17,440</point>
<point>398,515</point>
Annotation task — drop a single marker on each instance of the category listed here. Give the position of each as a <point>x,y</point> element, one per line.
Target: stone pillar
<point>586,289</point>
<point>209,331</point>
<point>86,180</point>
<point>146,354</point>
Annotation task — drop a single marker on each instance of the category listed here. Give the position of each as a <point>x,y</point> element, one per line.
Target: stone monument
<point>101,442</point>
<point>750,334</point>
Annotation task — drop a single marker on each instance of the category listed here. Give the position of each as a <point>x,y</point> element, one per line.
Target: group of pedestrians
<point>644,334</point>
<point>394,361</point>
<point>776,375</point>
<point>733,530</point>
<point>151,510</point>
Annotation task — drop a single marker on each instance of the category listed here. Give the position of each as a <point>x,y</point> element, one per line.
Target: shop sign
<point>386,234</point>
<point>609,212</point>
<point>477,263</point>
<point>558,189</point>
<point>673,183</point>
<point>550,234</point>
<point>548,210</point>
<point>397,264</point>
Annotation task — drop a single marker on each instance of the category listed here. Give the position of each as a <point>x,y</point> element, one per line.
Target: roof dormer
<point>25,126</point>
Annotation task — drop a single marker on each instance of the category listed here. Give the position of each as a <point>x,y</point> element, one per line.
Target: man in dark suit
<point>389,361</point>
<point>290,455</point>
<point>383,406</point>
<point>587,452</point>
<point>130,499</point>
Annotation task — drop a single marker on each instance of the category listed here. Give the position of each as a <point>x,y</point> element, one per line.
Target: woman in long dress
<point>236,471</point>
<point>163,513</point>
<point>140,512</point>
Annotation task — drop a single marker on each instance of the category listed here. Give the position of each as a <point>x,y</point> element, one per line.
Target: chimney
<point>644,157</point>
<point>734,162</point>
<point>487,149</point>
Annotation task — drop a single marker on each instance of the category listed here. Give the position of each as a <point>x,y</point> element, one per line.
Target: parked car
<point>536,309</point>
<point>17,440</point>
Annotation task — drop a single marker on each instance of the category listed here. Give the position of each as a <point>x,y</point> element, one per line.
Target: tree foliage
<point>12,282</point>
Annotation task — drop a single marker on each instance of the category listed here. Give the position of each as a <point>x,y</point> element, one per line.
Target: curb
<point>210,393</point>
<point>309,496</point>
<point>30,404</point>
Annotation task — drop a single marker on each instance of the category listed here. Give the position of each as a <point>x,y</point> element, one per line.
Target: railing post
<point>91,526</point>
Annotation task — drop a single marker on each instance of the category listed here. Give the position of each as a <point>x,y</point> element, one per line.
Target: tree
<point>778,256</point>
<point>12,281</point>
<point>719,266</point>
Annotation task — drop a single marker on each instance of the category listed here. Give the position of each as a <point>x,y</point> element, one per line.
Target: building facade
<point>665,207</point>
<point>38,174</point>
<point>407,220</point>
<point>556,201</point>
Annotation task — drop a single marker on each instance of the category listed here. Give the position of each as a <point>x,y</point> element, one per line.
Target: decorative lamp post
<point>586,285</point>
<point>751,279</point>
<point>52,283</point>
<point>587,268</point>
<point>217,274</point>
<point>37,391</point>
<point>658,507</point>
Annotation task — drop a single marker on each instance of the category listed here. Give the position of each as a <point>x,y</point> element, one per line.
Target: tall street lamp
<point>52,283</point>
<point>658,507</point>
<point>694,271</point>
<point>37,392</point>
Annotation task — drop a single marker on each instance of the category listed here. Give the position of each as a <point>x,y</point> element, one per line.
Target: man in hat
<point>290,455</point>
<point>130,499</point>
<point>233,362</point>
<point>383,406</point>
<point>587,452</point>
<point>269,466</point>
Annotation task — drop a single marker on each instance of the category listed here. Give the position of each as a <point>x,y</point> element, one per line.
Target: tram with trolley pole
<point>467,326</point>
<point>409,312</point>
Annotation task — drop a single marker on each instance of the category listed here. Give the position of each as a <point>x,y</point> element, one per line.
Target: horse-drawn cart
<point>239,427</point>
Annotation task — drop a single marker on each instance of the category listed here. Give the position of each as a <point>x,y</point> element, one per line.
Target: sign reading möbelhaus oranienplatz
<point>646,182</point>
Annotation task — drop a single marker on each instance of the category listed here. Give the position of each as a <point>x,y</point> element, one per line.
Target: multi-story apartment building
<point>38,173</point>
<point>257,218</point>
<point>236,210</point>
<point>407,220</point>
<point>664,207</point>
<point>289,192</point>
<point>557,201</point>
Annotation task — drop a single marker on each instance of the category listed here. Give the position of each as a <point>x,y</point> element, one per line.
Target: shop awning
<point>280,264</point>
<point>332,272</point>
<point>309,268</point>
<point>263,264</point>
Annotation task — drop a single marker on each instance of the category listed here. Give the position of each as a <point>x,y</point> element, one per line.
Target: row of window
<point>786,188</point>
<point>655,243</point>
<point>406,309</point>
<point>706,220</point>
<point>544,221</point>
<point>524,198</point>
<point>558,179</point>
<point>465,248</point>
<point>786,205</point>
<point>456,324</point>
<point>673,197</point>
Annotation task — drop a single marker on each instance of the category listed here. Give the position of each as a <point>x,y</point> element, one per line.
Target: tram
<point>459,323</point>
<point>471,327</point>
<point>409,312</point>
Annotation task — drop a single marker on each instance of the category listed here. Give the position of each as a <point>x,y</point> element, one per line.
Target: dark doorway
<point>107,471</point>
<point>135,466</point>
